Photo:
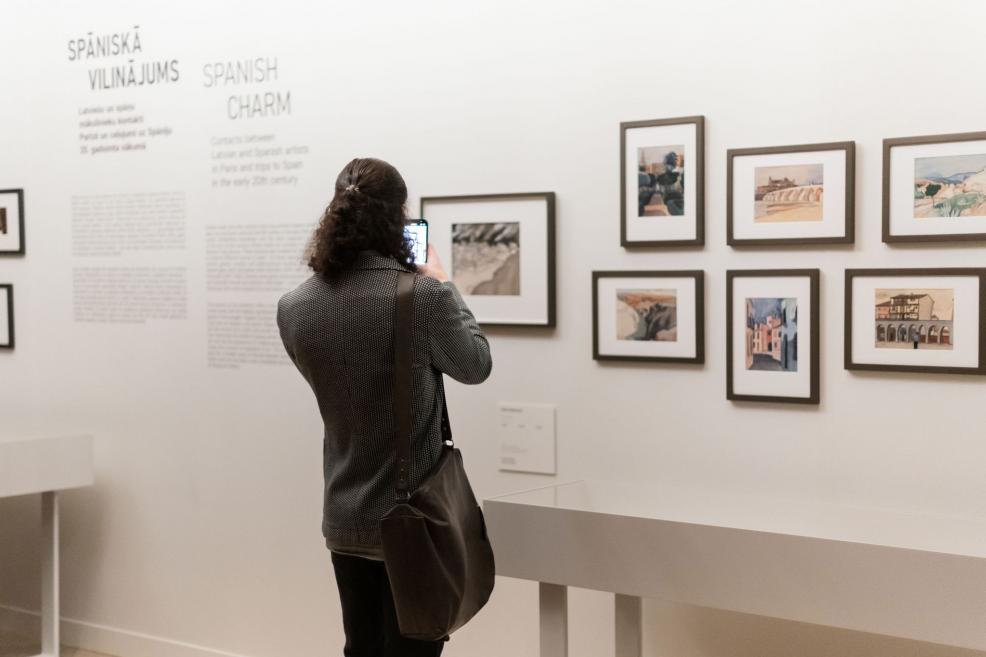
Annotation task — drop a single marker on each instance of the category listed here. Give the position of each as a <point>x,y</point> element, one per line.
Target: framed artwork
<point>11,222</point>
<point>934,188</point>
<point>772,339</point>
<point>662,182</point>
<point>791,194</point>
<point>499,250</point>
<point>648,316</point>
<point>916,320</point>
<point>6,316</point>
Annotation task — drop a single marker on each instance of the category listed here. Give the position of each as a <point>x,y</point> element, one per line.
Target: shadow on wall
<point>20,551</point>
<point>20,546</point>
<point>702,632</point>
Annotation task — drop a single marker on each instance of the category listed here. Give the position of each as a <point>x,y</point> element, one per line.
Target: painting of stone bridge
<point>788,193</point>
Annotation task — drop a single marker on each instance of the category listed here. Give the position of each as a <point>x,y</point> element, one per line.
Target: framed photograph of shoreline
<point>662,182</point>
<point>499,250</point>
<point>6,316</point>
<point>656,316</point>
<point>11,222</point>
<point>772,335</point>
<point>916,320</point>
<point>786,195</point>
<point>934,188</point>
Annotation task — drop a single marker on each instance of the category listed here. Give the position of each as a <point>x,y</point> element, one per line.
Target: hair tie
<point>352,188</point>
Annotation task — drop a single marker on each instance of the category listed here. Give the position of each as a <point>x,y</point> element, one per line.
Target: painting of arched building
<point>914,319</point>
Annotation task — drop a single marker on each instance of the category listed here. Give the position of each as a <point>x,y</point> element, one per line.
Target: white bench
<point>902,574</point>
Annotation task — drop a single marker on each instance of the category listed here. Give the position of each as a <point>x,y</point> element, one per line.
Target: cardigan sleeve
<point>458,346</point>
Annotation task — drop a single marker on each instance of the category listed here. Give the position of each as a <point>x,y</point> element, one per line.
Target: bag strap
<point>403,354</point>
<point>403,350</point>
<point>446,426</point>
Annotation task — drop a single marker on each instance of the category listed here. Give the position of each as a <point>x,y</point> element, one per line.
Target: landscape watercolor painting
<point>772,334</point>
<point>788,193</point>
<point>661,181</point>
<point>914,318</point>
<point>486,258</point>
<point>950,186</point>
<point>647,315</point>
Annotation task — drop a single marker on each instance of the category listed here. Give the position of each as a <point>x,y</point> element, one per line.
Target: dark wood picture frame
<point>852,274</point>
<point>814,276</point>
<point>549,198</point>
<point>849,234</point>
<point>697,274</point>
<point>890,144</point>
<point>699,239</point>
<point>10,316</point>
<point>20,222</point>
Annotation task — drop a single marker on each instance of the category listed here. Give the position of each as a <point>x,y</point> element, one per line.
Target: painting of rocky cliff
<point>647,315</point>
<point>788,193</point>
<point>950,186</point>
<point>486,258</point>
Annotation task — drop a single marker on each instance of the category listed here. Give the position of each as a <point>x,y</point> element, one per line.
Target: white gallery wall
<point>144,303</point>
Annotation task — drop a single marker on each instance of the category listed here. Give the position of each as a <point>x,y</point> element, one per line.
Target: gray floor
<point>18,645</point>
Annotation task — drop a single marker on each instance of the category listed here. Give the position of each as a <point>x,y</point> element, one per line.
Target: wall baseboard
<point>104,639</point>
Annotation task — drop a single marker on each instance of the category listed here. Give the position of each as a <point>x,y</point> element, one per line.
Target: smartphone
<point>416,233</point>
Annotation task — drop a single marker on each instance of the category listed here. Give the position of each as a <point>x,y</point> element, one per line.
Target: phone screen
<point>416,233</point>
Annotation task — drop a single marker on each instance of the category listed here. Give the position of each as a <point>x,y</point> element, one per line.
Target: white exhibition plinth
<point>921,577</point>
<point>46,466</point>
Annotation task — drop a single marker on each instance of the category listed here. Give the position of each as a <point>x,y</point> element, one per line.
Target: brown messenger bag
<point>439,559</point>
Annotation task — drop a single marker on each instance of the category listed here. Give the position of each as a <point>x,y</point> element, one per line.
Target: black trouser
<point>368,614</point>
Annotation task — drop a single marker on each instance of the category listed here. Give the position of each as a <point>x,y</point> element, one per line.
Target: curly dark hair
<point>367,213</point>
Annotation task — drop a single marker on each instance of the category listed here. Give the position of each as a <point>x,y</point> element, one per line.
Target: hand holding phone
<point>416,233</point>
<point>433,267</point>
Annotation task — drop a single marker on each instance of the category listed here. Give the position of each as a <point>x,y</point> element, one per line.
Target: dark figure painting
<point>661,181</point>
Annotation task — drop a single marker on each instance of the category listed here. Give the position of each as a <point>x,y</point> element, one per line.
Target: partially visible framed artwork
<point>662,182</point>
<point>499,250</point>
<point>648,316</point>
<point>791,194</point>
<point>934,188</point>
<point>6,316</point>
<point>916,320</point>
<point>772,339</point>
<point>11,222</point>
